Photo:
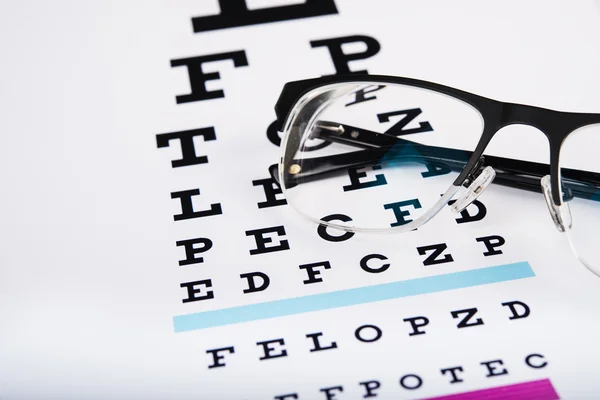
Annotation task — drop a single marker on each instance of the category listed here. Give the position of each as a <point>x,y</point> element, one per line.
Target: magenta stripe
<point>539,390</point>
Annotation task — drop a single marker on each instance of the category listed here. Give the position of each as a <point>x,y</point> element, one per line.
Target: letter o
<point>416,385</point>
<point>358,333</point>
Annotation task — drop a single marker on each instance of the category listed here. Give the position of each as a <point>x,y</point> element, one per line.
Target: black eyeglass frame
<point>556,125</point>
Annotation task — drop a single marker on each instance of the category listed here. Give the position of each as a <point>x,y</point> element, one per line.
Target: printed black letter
<point>191,251</point>
<point>322,229</point>
<point>409,115</point>
<point>370,387</point>
<point>465,216</point>
<point>198,78</point>
<point>515,312</point>
<point>465,321</point>
<point>355,177</point>
<point>268,350</point>
<point>271,191</point>
<point>364,263</point>
<point>186,140</point>
<point>217,357</point>
<point>359,336</point>
<point>491,242</point>
<point>192,291</point>
<point>313,273</point>
<point>452,370</point>
<point>360,95</point>
<point>235,13</point>
<point>537,366</point>
<point>318,347</point>
<point>341,59</point>
<point>252,284</point>
<point>416,325</point>
<point>187,207</point>
<point>417,384</point>
<point>329,392</point>
<point>400,214</point>
<point>433,259</point>
<point>286,396</point>
<point>492,369</point>
<point>261,240</point>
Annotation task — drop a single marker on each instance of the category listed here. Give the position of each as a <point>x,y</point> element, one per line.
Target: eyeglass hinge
<point>475,172</point>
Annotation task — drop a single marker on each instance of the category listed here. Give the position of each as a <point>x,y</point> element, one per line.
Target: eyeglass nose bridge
<point>475,189</point>
<point>476,182</point>
<point>561,214</point>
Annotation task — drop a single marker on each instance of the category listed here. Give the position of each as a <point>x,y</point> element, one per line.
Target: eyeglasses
<point>382,153</point>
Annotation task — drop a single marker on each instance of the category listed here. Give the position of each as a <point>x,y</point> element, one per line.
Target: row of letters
<point>275,348</point>
<point>411,381</point>
<point>258,281</point>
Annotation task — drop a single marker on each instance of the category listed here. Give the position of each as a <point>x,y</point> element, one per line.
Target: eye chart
<point>148,254</point>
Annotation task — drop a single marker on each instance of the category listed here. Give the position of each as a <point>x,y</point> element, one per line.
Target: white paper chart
<point>147,253</point>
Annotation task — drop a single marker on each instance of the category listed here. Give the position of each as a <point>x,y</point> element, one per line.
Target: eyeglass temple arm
<point>381,147</point>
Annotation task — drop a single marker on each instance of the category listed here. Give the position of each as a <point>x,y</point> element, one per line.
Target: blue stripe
<point>349,297</point>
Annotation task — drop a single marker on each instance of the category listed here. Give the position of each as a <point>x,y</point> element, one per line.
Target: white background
<point>89,280</point>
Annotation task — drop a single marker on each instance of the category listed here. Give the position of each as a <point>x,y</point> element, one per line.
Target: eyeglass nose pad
<point>474,190</point>
<point>561,215</point>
